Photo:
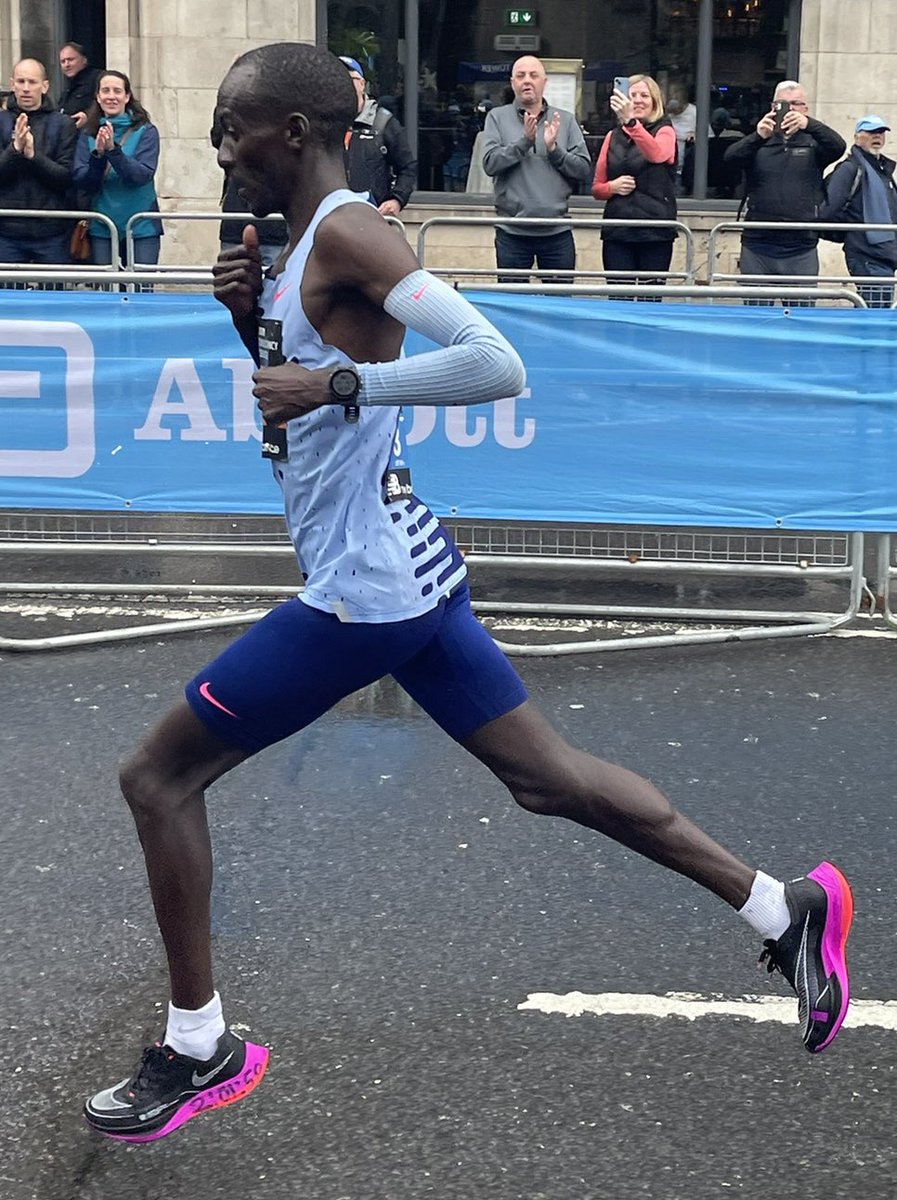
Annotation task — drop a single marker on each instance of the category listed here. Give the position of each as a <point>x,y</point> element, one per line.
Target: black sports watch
<point>345,385</point>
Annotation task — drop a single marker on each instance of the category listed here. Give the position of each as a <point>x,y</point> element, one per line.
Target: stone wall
<point>176,52</point>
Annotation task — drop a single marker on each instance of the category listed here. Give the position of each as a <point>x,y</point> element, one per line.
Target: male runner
<point>385,590</point>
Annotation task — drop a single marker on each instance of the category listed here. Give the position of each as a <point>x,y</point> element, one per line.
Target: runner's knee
<point>556,791</point>
<point>143,787</point>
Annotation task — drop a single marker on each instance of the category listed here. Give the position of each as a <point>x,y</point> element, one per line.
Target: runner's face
<point>250,147</point>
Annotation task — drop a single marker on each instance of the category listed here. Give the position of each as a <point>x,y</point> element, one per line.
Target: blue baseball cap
<point>352,63</point>
<point>872,124</point>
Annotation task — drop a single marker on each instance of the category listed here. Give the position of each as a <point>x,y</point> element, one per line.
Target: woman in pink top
<point>636,178</point>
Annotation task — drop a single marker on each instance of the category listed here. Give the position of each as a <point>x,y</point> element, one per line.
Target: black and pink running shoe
<point>167,1089</point>
<point>810,953</point>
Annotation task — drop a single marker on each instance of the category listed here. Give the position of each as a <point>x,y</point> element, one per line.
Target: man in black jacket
<point>81,79</point>
<point>37,146</point>
<point>378,157</point>
<point>783,161</point>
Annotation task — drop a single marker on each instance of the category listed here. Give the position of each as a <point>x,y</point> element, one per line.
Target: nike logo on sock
<point>207,695</point>
<point>202,1080</point>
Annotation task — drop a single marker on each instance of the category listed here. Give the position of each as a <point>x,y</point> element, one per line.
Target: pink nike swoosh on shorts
<point>207,695</point>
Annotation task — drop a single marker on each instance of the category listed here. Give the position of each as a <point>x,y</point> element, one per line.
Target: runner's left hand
<point>290,391</point>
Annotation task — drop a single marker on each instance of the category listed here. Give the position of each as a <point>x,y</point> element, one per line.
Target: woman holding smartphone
<point>636,178</point>
<point>115,164</point>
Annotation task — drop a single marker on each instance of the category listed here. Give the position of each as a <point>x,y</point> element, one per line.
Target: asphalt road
<point>382,908</point>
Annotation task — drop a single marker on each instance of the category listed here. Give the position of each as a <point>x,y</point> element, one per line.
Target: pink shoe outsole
<point>834,939</point>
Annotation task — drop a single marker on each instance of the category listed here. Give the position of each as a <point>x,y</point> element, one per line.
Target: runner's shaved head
<point>287,77</point>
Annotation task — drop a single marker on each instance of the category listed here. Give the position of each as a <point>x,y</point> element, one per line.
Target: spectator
<point>636,177</point>
<point>723,178</point>
<point>784,160</point>
<point>684,118</point>
<point>81,82</point>
<point>378,157</point>
<point>272,235</point>
<point>115,163</point>
<point>536,156</point>
<point>37,146</point>
<point>861,191</point>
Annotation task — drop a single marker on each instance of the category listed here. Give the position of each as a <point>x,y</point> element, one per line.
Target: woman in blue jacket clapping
<point>115,163</point>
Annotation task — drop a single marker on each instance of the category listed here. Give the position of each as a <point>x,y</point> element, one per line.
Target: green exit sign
<point>521,18</point>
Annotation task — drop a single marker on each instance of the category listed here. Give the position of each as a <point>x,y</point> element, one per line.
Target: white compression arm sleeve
<point>475,365</point>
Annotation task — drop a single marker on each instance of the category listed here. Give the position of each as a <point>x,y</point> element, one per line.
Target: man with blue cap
<point>378,158</point>
<point>861,191</point>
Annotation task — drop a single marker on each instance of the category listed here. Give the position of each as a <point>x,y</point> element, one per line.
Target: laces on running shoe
<point>768,957</point>
<point>150,1067</point>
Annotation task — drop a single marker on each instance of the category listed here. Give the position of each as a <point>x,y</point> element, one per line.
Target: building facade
<point>439,66</point>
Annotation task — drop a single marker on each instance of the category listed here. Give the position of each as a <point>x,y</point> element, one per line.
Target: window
<point>466,48</point>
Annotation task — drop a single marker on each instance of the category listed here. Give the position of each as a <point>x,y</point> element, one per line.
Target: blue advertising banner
<point>633,413</point>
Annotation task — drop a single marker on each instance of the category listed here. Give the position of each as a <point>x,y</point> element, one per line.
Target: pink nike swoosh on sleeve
<point>207,695</point>
<point>417,295</point>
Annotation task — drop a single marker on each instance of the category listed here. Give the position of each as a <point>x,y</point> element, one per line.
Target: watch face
<point>344,384</point>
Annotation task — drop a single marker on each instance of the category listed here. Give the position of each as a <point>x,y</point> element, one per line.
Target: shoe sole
<point>238,1088</point>
<point>838,919</point>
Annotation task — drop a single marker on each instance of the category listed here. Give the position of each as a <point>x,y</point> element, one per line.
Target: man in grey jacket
<point>536,156</point>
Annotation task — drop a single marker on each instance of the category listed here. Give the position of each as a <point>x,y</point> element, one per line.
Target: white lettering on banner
<point>77,455</point>
<point>423,422</point>
<point>456,429</point>
<point>457,432</point>
<point>505,420</point>
<point>246,415</point>
<point>182,374</point>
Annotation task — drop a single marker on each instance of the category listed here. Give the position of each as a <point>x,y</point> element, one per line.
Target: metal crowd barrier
<point>199,216</point>
<point>885,575</point>
<point>635,552</point>
<point>574,222</point>
<point>73,214</point>
<point>741,227</point>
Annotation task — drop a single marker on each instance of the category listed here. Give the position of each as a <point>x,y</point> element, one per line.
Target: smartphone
<point>781,107</point>
<point>621,84</point>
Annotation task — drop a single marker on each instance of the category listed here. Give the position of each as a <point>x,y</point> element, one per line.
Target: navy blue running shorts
<point>297,662</point>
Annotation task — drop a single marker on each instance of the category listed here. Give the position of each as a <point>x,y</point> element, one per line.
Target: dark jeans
<point>875,295</point>
<point>637,256</point>
<point>146,251</point>
<point>554,251</point>
<point>50,251</point>
<point>805,263</point>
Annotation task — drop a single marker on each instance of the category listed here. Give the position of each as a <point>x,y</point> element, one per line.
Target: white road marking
<point>882,1014</point>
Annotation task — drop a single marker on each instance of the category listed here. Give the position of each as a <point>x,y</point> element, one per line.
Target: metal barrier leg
<point>883,582</point>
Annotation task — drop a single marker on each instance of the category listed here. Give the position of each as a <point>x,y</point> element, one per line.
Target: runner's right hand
<point>237,276</point>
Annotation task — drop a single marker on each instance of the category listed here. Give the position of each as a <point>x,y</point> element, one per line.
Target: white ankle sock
<point>766,910</point>
<point>195,1031</point>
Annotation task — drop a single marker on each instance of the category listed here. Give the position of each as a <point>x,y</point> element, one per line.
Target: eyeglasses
<point>798,104</point>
